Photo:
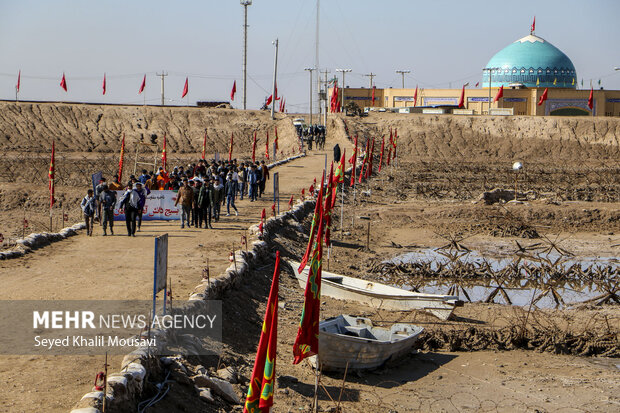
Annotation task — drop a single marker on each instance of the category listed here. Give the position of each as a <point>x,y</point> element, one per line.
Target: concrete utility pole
<point>162,75</point>
<point>371,76</point>
<point>275,72</point>
<point>316,59</point>
<point>310,69</point>
<point>343,86</point>
<point>245,4</point>
<point>402,73</point>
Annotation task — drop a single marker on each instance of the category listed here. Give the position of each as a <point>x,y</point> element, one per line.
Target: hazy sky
<point>444,43</point>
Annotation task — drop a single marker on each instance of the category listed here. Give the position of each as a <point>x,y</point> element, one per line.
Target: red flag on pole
<point>19,81</point>
<point>185,88</point>
<point>290,203</point>
<point>104,84</point>
<point>370,159</point>
<point>51,174</point>
<point>275,141</point>
<point>267,146</point>
<point>143,85</point>
<point>164,156</point>
<point>230,147</point>
<point>254,149</point>
<point>269,99</point>
<point>462,98</point>
<point>353,161</point>
<point>283,105</point>
<point>389,155</point>
<point>307,340</point>
<point>63,82</point>
<point>415,96</point>
<point>500,94</point>
<point>233,91</point>
<point>533,26</point>
<point>318,212</point>
<point>381,157</point>
<point>260,391</point>
<point>204,145</point>
<point>373,95</point>
<point>591,99</point>
<point>543,97</point>
<point>365,161</point>
<point>120,161</point>
<point>338,176</point>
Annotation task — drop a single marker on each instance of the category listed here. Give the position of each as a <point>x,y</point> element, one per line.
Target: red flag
<point>370,159</point>
<point>260,391</point>
<point>477,84</point>
<point>327,210</point>
<point>230,147</point>
<point>273,209</point>
<point>143,85</point>
<point>353,161</point>
<point>303,193</point>
<point>389,155</point>
<point>63,82</point>
<point>283,105</point>
<point>290,203</point>
<point>338,176</point>
<point>269,99</point>
<point>51,176</point>
<point>318,213</point>
<point>591,99</point>
<point>263,215</point>
<point>104,83</point>
<point>204,145</point>
<point>267,146</point>
<point>307,340</point>
<point>185,88</point>
<point>415,96</point>
<point>275,141</point>
<point>462,98</point>
<point>233,91</point>
<point>500,94</point>
<point>120,161</point>
<point>365,162</point>
<point>373,95</point>
<point>164,157</point>
<point>381,157</point>
<point>260,227</point>
<point>276,94</point>
<point>543,97</point>
<point>311,190</point>
<point>19,80</point>
<point>254,149</point>
<point>533,26</point>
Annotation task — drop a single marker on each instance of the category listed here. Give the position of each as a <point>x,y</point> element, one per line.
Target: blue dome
<point>529,61</point>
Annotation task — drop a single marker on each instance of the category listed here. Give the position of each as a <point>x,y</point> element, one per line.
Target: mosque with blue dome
<point>533,77</point>
<point>530,62</point>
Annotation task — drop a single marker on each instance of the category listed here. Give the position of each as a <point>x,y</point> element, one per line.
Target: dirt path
<point>120,267</point>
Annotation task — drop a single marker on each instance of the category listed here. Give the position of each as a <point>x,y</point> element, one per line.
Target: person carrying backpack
<point>88,208</point>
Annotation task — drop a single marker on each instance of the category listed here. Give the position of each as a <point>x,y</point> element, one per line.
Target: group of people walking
<point>203,189</point>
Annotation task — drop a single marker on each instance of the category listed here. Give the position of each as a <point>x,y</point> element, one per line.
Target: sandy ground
<point>119,267</point>
<point>436,200</point>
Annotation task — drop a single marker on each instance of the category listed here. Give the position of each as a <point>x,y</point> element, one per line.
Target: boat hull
<point>381,296</point>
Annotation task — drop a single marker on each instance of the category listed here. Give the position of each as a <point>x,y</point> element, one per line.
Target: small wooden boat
<point>380,296</point>
<point>353,341</point>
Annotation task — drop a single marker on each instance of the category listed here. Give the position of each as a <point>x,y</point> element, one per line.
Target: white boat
<point>353,341</point>
<point>380,296</point>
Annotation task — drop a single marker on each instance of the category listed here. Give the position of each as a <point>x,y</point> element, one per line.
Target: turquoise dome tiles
<point>528,60</point>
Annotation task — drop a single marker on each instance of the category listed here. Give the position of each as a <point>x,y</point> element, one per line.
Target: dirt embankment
<point>98,128</point>
<point>548,139</point>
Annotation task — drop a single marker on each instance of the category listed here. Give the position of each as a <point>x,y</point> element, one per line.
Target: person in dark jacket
<point>144,192</point>
<point>337,153</point>
<point>253,178</point>
<point>107,199</point>
<point>231,189</point>
<point>205,202</point>
<point>197,215</point>
<point>130,202</point>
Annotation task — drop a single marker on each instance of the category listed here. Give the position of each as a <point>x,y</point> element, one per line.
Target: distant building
<point>524,68</point>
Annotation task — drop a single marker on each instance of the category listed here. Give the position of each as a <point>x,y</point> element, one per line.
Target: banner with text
<point>159,206</point>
